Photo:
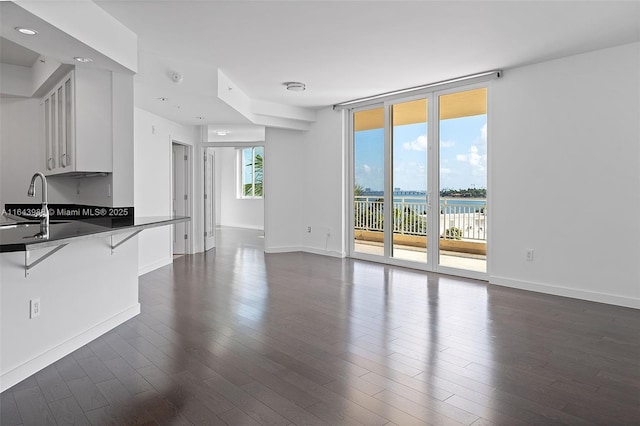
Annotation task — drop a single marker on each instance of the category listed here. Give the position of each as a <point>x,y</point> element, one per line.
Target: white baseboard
<point>241,226</point>
<point>323,252</point>
<point>290,249</point>
<point>283,249</point>
<point>611,299</point>
<point>143,269</point>
<point>52,355</point>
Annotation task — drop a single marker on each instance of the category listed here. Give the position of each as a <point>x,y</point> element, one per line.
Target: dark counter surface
<point>23,237</point>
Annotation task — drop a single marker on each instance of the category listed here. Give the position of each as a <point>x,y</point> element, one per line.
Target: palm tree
<point>255,188</point>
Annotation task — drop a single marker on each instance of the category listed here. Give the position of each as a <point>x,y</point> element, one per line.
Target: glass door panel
<point>463,180</point>
<point>420,190</point>
<point>368,184</point>
<point>409,180</point>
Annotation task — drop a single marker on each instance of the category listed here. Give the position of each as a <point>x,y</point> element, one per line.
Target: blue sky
<point>463,155</point>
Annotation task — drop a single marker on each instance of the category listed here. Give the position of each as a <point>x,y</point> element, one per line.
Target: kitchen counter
<point>83,278</point>
<point>23,238</point>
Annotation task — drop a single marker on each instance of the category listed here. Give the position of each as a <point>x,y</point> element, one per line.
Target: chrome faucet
<point>44,213</point>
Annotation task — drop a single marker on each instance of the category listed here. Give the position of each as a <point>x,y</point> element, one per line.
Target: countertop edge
<point>35,245</point>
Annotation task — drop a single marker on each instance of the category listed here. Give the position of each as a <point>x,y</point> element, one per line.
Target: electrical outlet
<point>34,308</point>
<point>529,255</point>
<point>309,229</point>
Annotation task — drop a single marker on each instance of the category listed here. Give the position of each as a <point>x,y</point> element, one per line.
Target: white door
<point>209,200</point>
<point>180,198</point>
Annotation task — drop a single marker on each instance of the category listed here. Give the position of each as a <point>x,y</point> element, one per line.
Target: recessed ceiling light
<point>222,132</point>
<point>83,60</point>
<point>26,31</point>
<point>162,99</point>
<point>295,86</point>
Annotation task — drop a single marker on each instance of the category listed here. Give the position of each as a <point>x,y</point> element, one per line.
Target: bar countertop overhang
<point>23,238</point>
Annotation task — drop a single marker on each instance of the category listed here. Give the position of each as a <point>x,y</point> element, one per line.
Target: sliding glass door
<point>369,181</point>
<point>419,191</point>
<point>409,180</point>
<point>462,225</point>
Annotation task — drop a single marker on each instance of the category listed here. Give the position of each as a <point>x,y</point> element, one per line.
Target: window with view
<point>251,161</point>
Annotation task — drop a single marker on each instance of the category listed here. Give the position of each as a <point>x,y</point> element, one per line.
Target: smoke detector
<point>176,77</point>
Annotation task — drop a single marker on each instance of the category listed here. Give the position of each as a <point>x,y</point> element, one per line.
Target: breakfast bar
<point>61,291</point>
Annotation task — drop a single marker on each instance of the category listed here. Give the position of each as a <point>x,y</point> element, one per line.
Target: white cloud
<point>475,159</point>
<point>419,144</point>
<point>369,176</point>
<point>410,175</point>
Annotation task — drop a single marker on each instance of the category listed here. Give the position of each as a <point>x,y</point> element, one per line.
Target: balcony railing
<point>464,218</point>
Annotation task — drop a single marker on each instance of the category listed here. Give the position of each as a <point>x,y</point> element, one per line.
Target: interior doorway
<point>181,196</point>
<point>233,198</point>
<point>209,199</point>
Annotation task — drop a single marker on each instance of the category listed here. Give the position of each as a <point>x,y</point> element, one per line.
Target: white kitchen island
<point>84,289</point>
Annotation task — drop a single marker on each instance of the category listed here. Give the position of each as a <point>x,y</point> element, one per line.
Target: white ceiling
<point>345,50</point>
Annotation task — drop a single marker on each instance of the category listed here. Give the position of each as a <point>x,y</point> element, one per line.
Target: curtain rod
<point>483,76</point>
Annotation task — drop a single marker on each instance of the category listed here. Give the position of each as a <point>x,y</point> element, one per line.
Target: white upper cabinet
<point>78,123</point>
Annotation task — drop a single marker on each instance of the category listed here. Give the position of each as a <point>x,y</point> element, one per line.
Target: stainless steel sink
<point>37,222</point>
<point>28,224</point>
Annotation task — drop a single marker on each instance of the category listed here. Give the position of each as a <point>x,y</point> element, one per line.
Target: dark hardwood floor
<point>238,337</point>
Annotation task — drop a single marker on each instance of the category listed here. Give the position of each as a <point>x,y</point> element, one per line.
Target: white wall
<point>16,80</point>
<point>84,289</point>
<point>21,149</point>
<point>123,146</point>
<point>324,185</point>
<point>284,187</point>
<point>217,186</point>
<point>242,213</point>
<point>153,136</point>
<point>304,186</point>
<point>565,173</point>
